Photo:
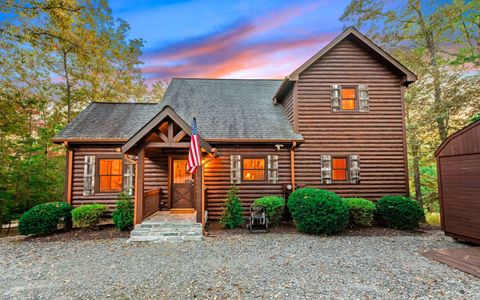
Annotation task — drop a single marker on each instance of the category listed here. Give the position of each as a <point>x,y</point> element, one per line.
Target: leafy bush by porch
<point>43,219</point>
<point>274,206</point>
<point>123,214</point>
<point>400,212</point>
<point>233,215</point>
<point>361,211</point>
<point>88,215</point>
<point>318,211</point>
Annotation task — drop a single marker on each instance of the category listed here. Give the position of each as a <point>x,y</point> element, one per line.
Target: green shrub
<point>233,215</point>
<point>318,211</point>
<point>274,206</point>
<point>400,212</point>
<point>43,219</point>
<point>88,215</point>
<point>361,211</point>
<point>433,218</point>
<point>123,214</point>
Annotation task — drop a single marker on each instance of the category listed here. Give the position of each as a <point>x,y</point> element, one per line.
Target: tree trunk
<point>67,86</point>
<point>416,170</point>
<point>435,71</point>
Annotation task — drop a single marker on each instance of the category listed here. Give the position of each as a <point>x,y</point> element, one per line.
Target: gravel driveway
<point>285,266</point>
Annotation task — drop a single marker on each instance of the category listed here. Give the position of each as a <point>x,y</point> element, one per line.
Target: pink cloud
<point>238,50</point>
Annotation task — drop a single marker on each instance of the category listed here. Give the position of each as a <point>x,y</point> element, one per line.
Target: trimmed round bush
<point>44,218</point>
<point>123,214</point>
<point>318,211</point>
<point>362,211</point>
<point>88,215</point>
<point>400,212</point>
<point>274,206</point>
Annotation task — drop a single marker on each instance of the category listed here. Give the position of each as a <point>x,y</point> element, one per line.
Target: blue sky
<point>229,39</point>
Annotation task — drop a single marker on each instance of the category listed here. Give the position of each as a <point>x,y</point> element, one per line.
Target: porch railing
<point>152,200</point>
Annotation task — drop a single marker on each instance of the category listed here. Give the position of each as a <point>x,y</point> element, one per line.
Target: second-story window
<point>348,99</point>
<point>351,98</point>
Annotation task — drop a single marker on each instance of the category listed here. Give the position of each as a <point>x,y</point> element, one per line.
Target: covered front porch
<point>163,187</point>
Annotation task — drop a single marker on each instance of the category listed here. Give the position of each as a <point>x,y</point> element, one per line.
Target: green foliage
<point>43,219</point>
<point>361,210</point>
<point>274,206</point>
<point>318,211</point>
<point>233,214</point>
<point>475,118</point>
<point>123,214</point>
<point>433,218</point>
<point>400,212</point>
<point>88,215</point>
<point>56,59</point>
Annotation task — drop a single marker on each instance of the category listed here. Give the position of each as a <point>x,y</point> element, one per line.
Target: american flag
<point>194,157</point>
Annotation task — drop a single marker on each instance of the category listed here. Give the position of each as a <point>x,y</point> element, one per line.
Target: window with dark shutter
<point>89,175</point>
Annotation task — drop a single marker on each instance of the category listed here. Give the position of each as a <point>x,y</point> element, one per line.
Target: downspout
<point>292,164</point>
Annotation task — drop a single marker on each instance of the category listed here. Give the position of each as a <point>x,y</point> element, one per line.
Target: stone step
<point>168,231</point>
<point>167,225</point>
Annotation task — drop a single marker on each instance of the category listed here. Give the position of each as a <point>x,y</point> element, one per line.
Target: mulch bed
<point>98,233</point>
<point>216,228</point>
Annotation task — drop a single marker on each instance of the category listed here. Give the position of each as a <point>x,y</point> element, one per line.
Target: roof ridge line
<point>251,79</point>
<point>101,102</point>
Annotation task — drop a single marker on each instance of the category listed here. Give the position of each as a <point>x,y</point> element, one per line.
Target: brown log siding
<point>376,136</point>
<point>217,177</point>
<point>79,153</point>
<point>288,106</point>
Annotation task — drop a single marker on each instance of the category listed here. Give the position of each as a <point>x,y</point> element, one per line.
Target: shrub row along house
<point>336,123</point>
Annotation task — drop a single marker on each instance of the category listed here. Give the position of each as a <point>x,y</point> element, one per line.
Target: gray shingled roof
<point>109,121</point>
<point>230,108</point>
<point>224,108</point>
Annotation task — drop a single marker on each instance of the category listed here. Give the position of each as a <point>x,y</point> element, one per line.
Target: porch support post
<point>199,193</point>
<point>139,186</point>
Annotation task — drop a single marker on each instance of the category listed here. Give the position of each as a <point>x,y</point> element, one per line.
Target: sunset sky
<point>229,39</point>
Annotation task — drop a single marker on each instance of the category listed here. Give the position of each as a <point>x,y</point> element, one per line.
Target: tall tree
<point>57,56</point>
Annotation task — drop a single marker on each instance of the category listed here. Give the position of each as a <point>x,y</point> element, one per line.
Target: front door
<point>182,184</point>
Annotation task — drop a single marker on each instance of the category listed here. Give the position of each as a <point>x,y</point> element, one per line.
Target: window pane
<point>348,104</point>
<point>254,169</point>
<point>110,175</point>
<point>339,175</point>
<point>254,163</point>
<point>253,175</point>
<point>180,174</point>
<point>110,183</point>
<point>110,167</point>
<point>339,163</point>
<point>348,93</point>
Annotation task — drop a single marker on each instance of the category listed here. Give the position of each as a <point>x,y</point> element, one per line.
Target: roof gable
<point>353,32</point>
<point>167,111</point>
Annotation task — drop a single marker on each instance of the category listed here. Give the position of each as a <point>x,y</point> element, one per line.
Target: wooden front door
<point>182,184</point>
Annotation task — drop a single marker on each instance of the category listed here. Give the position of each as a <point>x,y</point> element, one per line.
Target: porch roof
<point>166,112</point>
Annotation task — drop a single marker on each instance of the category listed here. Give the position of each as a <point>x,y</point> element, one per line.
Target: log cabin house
<point>336,123</point>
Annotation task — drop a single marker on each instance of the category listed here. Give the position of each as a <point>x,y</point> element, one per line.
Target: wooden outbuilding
<point>458,163</point>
